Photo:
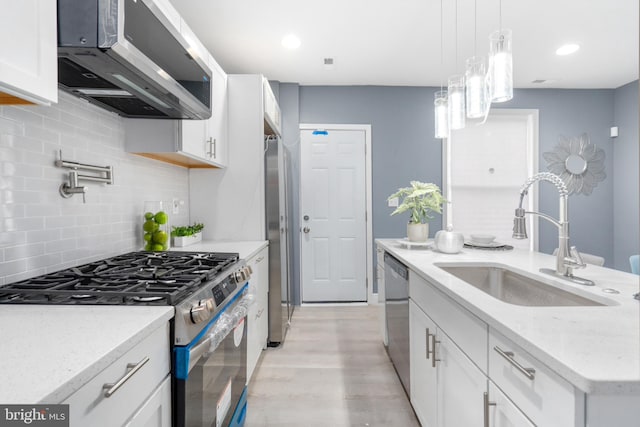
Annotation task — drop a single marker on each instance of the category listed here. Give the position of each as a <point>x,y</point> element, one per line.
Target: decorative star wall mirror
<point>578,162</point>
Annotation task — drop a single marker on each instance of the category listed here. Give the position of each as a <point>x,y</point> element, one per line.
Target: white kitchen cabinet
<point>272,114</point>
<point>231,201</point>
<point>188,143</point>
<point>156,411</point>
<point>545,397</point>
<point>258,319</point>
<point>381,295</point>
<point>422,376</point>
<point>468,356</point>
<point>146,366</point>
<point>28,42</point>
<point>502,412</point>
<point>447,389</point>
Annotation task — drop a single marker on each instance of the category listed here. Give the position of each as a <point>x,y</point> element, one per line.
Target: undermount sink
<point>514,288</point>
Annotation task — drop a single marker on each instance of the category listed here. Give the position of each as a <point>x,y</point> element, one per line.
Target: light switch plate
<point>393,203</point>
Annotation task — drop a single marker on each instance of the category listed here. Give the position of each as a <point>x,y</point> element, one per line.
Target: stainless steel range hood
<point>129,56</point>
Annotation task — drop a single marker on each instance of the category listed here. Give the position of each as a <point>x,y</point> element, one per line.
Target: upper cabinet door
<point>28,42</point>
<point>218,124</point>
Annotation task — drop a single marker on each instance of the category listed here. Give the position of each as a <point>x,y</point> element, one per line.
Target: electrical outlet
<point>393,203</point>
<point>175,204</point>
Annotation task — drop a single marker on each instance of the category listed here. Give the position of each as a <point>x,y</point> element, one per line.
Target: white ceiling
<point>376,42</point>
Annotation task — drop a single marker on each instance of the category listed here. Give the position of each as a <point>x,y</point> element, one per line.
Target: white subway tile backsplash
<point>21,115</point>
<point>53,233</point>
<point>24,251</point>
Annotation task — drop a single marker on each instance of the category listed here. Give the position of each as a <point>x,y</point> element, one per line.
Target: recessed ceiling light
<point>291,41</point>
<point>567,49</point>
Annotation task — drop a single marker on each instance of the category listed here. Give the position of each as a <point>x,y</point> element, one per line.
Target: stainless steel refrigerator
<point>280,306</point>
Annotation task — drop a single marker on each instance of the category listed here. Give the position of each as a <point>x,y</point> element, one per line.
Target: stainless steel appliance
<point>396,287</point>
<point>280,295</point>
<point>209,328</point>
<point>129,57</point>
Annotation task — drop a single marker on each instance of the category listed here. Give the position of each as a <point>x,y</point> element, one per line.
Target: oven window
<point>146,32</point>
<point>213,387</point>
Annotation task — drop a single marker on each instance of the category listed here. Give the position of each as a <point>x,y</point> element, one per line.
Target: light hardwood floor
<point>331,371</point>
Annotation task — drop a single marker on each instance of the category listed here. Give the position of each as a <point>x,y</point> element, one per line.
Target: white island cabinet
<point>477,361</point>
<point>28,64</point>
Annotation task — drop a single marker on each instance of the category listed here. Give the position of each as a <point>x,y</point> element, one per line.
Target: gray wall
<point>404,149</point>
<point>626,159</point>
<point>570,113</point>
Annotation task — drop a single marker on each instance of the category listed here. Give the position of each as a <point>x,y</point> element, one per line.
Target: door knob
<point>306,229</point>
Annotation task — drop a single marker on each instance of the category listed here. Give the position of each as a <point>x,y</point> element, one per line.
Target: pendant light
<point>456,88</point>
<point>456,106</point>
<point>500,64</point>
<point>440,109</point>
<point>476,79</point>
<point>441,112</point>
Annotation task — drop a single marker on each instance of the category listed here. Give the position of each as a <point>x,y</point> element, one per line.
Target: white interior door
<point>486,166</point>
<point>333,215</point>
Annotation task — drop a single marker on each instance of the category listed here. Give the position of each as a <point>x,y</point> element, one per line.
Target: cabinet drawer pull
<point>509,355</point>
<point>428,335</point>
<point>259,259</point>
<point>259,313</point>
<point>111,388</point>
<point>486,408</point>
<point>433,350</point>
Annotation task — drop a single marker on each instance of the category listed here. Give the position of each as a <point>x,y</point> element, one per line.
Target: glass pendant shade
<point>456,105</point>
<point>500,66</point>
<point>441,113</point>
<point>476,87</point>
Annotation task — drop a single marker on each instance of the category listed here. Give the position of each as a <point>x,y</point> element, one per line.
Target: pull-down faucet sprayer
<point>568,257</point>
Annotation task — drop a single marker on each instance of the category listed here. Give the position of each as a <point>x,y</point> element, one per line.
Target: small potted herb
<point>186,235</point>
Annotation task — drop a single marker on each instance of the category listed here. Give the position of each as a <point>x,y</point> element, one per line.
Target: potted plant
<point>186,235</point>
<point>421,200</point>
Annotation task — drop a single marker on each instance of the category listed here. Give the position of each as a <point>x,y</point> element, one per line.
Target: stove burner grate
<point>133,278</point>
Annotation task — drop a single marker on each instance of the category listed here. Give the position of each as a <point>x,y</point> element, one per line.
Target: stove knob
<point>240,276</point>
<point>202,311</point>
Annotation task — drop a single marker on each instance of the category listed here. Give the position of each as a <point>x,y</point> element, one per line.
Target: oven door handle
<point>198,352</point>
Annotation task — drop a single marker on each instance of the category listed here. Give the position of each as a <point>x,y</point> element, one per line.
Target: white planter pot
<point>417,232</point>
<point>180,241</point>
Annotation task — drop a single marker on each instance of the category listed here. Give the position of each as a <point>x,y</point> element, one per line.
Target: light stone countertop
<point>246,249</point>
<point>597,349</point>
<point>50,351</point>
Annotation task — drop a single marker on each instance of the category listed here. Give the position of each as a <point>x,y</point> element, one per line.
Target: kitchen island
<point>593,352</point>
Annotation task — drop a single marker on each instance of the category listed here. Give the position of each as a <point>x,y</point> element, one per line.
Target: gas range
<point>198,284</point>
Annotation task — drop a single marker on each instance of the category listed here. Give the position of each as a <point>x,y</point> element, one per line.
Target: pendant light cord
<point>475,27</point>
<point>441,46</point>
<point>456,29</point>
<point>500,15</point>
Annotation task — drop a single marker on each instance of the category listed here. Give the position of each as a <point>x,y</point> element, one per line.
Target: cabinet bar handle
<point>433,350</point>
<point>427,339</point>
<point>509,355</point>
<point>486,408</point>
<point>111,388</point>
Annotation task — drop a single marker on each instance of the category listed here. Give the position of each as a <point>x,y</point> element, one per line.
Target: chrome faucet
<point>568,258</point>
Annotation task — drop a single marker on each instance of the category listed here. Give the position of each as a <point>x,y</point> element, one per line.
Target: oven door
<point>209,387</point>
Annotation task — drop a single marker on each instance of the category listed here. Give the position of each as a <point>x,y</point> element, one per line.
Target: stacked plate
<point>485,241</point>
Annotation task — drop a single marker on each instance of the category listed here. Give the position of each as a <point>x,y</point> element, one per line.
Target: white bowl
<point>482,238</point>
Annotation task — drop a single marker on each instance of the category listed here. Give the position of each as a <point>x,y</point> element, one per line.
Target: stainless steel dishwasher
<point>396,284</point>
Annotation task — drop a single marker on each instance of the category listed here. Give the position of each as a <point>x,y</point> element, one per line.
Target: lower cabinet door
<point>503,413</point>
<point>156,411</point>
<point>461,386</point>
<point>422,373</point>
